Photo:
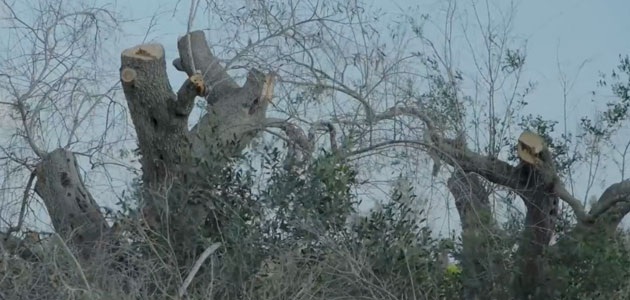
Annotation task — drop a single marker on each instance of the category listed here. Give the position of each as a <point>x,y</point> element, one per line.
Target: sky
<point>579,38</point>
<point>572,32</point>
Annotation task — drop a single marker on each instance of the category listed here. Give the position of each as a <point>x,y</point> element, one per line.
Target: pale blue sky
<point>573,32</point>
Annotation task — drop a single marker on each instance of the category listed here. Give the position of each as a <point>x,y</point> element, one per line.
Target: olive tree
<point>309,69</point>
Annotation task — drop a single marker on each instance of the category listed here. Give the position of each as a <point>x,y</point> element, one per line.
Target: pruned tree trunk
<point>179,198</point>
<point>535,184</point>
<point>159,116</point>
<point>75,215</point>
<point>482,260</point>
<point>177,163</point>
<point>539,227</point>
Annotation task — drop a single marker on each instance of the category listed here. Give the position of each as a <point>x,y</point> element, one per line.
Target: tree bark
<point>175,188</point>
<point>235,114</point>
<point>75,215</point>
<point>539,226</point>
<point>181,167</point>
<point>159,116</point>
<point>482,258</point>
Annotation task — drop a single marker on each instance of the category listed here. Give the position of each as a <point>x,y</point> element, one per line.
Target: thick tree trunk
<point>177,193</point>
<point>75,215</point>
<point>481,237</point>
<point>539,227</point>
<point>181,167</point>
<point>482,258</point>
<point>161,121</point>
<point>535,184</point>
<point>159,116</point>
<point>541,203</point>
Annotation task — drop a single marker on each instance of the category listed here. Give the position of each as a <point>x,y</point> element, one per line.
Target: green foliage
<point>514,60</point>
<point>305,204</point>
<point>400,247</point>
<point>588,265</point>
<point>617,111</point>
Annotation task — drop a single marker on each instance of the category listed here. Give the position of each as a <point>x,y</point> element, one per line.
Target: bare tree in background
<point>53,87</point>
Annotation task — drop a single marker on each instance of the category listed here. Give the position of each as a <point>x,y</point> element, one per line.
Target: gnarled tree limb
<point>74,213</point>
<point>231,121</point>
<point>618,192</point>
<point>159,117</point>
<point>213,73</point>
<point>482,264</point>
<point>455,154</point>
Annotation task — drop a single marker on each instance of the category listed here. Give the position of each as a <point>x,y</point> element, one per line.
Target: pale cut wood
<point>128,75</point>
<point>530,145</point>
<point>145,52</point>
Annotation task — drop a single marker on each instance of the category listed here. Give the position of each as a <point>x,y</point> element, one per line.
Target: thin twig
<point>23,206</point>
<point>76,262</point>
<point>191,18</point>
<point>210,250</point>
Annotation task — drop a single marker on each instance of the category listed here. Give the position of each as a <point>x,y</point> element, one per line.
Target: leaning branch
<point>74,213</point>
<point>575,203</point>
<point>614,194</point>
<point>27,192</point>
<point>294,133</point>
<point>194,47</point>
<point>456,154</point>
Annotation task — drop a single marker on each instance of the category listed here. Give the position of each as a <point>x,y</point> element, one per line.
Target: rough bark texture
<point>159,116</point>
<point>235,114</point>
<point>535,185</point>
<point>194,50</point>
<point>172,156</point>
<point>482,260</point>
<point>539,226</point>
<point>74,213</point>
<point>234,120</point>
<point>180,196</point>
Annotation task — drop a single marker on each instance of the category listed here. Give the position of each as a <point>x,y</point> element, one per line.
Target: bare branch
<point>191,275</point>
<point>294,133</point>
<point>27,192</point>
<point>616,193</point>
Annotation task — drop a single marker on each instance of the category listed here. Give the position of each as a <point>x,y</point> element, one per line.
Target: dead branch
<point>191,275</point>
<point>25,197</point>
<point>497,171</point>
